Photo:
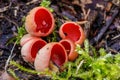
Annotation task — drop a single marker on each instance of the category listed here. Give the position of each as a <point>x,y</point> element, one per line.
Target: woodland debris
<point>105,27</point>
<point>116,2</point>
<point>4,9</point>
<point>108,7</point>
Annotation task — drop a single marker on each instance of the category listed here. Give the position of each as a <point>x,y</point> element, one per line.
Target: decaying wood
<point>104,28</point>
<point>92,16</point>
<point>90,20</point>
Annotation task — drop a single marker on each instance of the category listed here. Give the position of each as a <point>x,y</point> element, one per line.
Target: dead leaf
<point>86,1</point>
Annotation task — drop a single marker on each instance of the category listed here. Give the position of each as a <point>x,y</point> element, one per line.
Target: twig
<point>81,22</point>
<point>7,7</point>
<point>31,2</point>
<point>78,67</point>
<point>11,53</point>
<point>116,37</point>
<point>4,9</point>
<point>87,28</point>
<point>113,50</point>
<point>84,11</point>
<point>104,28</point>
<point>88,12</point>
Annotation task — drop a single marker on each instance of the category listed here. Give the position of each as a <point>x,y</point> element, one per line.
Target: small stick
<point>78,67</point>
<point>116,37</point>
<point>10,56</point>
<point>104,28</point>
<point>4,9</point>
<point>88,12</point>
<point>81,22</point>
<point>31,2</point>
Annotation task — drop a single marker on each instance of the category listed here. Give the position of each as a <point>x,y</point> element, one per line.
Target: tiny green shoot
<point>20,33</point>
<point>13,74</point>
<point>46,4</point>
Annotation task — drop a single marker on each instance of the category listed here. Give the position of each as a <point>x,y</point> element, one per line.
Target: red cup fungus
<point>39,22</point>
<point>70,48</point>
<point>54,52</point>
<point>26,38</point>
<point>72,31</point>
<point>31,48</point>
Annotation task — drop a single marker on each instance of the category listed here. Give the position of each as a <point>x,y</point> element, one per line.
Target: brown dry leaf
<point>116,2</point>
<point>86,1</point>
<point>108,7</point>
<point>100,6</point>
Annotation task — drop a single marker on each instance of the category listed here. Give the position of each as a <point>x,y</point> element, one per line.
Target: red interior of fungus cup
<point>43,20</point>
<point>71,31</point>
<point>67,46</point>
<point>36,46</point>
<point>58,55</point>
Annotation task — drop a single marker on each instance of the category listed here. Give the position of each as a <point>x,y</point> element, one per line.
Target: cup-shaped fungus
<point>39,22</point>
<point>26,38</point>
<point>70,49</point>
<point>72,31</point>
<point>31,48</point>
<point>54,52</point>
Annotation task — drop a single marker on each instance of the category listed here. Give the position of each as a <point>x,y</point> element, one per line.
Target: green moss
<point>46,4</point>
<point>13,74</point>
<point>85,67</point>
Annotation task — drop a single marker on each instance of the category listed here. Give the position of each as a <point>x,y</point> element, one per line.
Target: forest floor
<point>100,20</point>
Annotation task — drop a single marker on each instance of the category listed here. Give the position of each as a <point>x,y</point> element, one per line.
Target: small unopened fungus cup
<point>39,22</point>
<point>72,31</point>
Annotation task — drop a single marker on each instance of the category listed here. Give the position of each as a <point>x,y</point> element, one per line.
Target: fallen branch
<point>104,28</point>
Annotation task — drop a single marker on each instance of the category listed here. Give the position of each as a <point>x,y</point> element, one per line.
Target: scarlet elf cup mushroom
<point>70,48</point>
<point>26,38</point>
<point>31,48</point>
<point>72,31</point>
<point>39,22</point>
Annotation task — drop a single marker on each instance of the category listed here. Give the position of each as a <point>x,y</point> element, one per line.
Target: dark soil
<point>13,11</point>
